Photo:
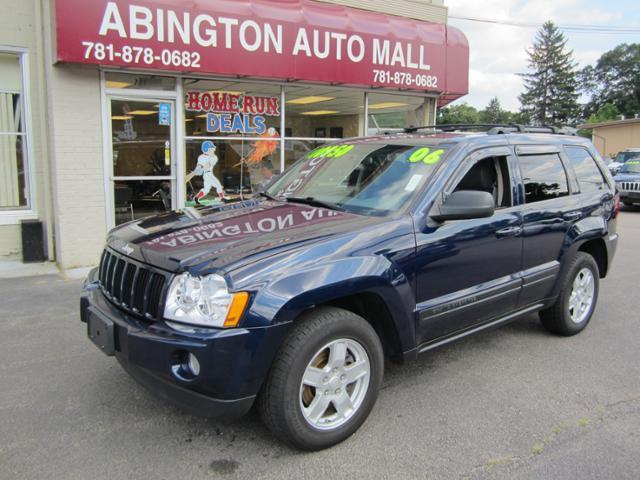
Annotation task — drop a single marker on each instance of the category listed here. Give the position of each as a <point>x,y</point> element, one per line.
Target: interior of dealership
<point>153,156</point>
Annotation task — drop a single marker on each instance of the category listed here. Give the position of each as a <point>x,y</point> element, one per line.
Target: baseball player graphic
<point>204,168</point>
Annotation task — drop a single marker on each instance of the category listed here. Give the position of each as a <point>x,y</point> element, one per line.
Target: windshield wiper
<point>316,203</point>
<point>269,196</point>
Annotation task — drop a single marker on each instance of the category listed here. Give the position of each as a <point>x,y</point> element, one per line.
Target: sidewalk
<point>17,269</point>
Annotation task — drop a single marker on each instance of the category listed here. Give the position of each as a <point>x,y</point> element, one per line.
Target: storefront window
<point>233,140</point>
<point>388,112</point>
<point>225,170</point>
<point>13,136</point>
<point>231,109</point>
<point>134,199</point>
<point>320,114</point>
<point>141,144</point>
<point>139,82</point>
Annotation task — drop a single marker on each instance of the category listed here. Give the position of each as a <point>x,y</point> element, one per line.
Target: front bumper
<point>629,196</point>
<point>233,362</point>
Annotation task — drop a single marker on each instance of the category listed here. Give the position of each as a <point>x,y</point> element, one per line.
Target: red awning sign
<point>280,39</point>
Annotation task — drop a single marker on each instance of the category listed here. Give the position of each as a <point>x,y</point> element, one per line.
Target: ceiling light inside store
<point>121,117</point>
<point>114,84</point>
<point>378,106</point>
<point>308,100</point>
<point>204,115</point>
<point>320,112</point>
<point>143,112</point>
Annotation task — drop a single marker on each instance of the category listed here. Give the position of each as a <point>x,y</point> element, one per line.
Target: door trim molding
<point>472,330</point>
<point>469,297</point>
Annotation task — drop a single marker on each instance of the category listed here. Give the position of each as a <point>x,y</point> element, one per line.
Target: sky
<point>498,52</point>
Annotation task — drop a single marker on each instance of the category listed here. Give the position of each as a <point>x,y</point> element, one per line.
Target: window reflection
<point>589,175</point>
<point>544,177</point>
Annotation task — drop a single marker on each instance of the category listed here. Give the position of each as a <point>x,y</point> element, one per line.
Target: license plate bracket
<point>101,332</point>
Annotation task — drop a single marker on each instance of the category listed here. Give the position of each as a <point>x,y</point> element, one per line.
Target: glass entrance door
<point>142,140</point>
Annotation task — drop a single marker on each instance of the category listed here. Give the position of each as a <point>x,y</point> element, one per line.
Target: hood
<point>229,236</point>
<point>627,177</point>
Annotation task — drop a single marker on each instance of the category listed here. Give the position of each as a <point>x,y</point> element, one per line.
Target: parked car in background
<point>622,158</point>
<point>374,247</point>
<point>628,182</point>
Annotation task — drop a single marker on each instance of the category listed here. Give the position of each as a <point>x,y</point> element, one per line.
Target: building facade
<point>615,136</point>
<point>115,110</point>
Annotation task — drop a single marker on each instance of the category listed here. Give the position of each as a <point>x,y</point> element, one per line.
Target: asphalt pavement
<point>514,403</point>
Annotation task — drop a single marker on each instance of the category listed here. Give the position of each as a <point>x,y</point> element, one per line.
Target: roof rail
<point>494,129</point>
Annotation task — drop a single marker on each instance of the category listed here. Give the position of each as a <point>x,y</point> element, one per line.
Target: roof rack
<point>494,129</point>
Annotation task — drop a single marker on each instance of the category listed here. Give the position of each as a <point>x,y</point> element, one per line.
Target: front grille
<point>630,186</point>
<point>133,286</point>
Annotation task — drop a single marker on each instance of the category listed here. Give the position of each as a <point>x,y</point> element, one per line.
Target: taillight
<point>616,204</point>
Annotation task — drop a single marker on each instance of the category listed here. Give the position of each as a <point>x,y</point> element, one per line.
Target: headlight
<point>204,301</point>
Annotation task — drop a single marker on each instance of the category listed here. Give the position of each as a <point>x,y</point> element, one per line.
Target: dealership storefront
<point>204,101</point>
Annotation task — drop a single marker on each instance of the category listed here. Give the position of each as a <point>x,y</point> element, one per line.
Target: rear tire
<point>574,307</point>
<point>324,380</point>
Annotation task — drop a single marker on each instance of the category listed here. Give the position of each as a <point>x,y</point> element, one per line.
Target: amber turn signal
<point>238,304</point>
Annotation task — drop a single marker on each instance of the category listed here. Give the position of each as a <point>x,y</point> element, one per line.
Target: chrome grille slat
<point>131,285</point>
<point>117,279</point>
<point>630,186</point>
<point>110,268</point>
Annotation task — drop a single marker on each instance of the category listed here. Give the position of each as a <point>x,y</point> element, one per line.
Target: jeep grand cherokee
<point>373,247</point>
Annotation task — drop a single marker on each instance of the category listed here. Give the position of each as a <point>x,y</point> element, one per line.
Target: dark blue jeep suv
<point>372,247</point>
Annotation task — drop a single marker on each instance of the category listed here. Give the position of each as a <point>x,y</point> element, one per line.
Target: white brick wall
<point>20,26</point>
<point>10,242</point>
<point>74,96</point>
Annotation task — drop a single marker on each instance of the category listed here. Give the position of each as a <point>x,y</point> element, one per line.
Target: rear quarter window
<point>590,177</point>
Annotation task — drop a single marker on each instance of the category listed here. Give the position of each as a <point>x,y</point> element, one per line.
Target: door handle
<point>571,216</point>
<point>509,232</point>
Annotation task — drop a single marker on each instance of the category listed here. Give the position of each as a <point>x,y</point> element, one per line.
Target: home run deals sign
<point>283,39</point>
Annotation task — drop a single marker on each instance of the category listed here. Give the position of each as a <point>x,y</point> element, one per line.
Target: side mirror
<point>465,204</point>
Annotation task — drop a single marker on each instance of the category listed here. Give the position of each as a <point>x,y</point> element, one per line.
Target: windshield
<point>632,166</point>
<point>623,157</point>
<point>370,179</point>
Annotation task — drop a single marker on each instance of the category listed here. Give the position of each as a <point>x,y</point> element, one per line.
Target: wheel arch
<point>380,293</point>
<point>372,307</point>
<point>598,250</point>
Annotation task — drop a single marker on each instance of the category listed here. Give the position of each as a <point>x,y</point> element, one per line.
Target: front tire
<point>324,380</point>
<point>574,307</point>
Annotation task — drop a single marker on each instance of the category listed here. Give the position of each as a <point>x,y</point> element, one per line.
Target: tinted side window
<point>543,177</point>
<point>589,175</point>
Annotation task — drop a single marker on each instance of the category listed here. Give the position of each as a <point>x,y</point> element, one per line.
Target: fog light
<point>194,365</point>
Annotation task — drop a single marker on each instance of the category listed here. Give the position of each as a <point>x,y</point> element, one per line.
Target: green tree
<point>494,113</point>
<point>551,87</point>
<point>607,112</point>
<point>615,80</point>
<point>462,113</point>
